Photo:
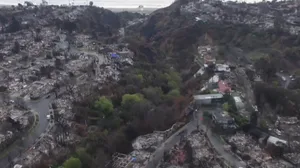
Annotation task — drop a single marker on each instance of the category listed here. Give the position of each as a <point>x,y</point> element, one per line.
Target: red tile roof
<point>223,87</point>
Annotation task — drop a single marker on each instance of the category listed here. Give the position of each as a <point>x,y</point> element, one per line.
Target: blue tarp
<point>114,55</point>
<point>133,159</point>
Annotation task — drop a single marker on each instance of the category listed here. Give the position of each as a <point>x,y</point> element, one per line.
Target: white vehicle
<point>48,117</point>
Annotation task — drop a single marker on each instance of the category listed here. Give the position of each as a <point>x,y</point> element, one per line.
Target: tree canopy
<point>104,105</point>
<point>129,99</point>
<point>72,163</point>
<point>174,93</point>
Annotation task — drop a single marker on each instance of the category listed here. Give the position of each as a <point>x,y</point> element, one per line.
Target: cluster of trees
<point>230,107</point>
<point>139,103</point>
<point>283,101</point>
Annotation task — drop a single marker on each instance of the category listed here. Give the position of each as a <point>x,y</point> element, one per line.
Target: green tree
<point>174,93</point>
<point>226,107</point>
<point>231,103</point>
<point>173,84</point>
<point>129,99</point>
<point>239,119</point>
<point>84,157</point>
<point>174,79</point>
<point>153,94</point>
<point>72,163</point>
<point>140,77</point>
<point>105,106</point>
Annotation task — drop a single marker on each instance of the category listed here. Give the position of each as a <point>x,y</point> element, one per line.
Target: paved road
<point>41,107</point>
<point>187,129</point>
<point>168,144</point>
<point>218,145</point>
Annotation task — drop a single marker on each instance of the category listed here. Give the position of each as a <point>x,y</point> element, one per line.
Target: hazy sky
<point>103,3</point>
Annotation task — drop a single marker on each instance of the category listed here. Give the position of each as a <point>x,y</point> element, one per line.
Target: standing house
<point>222,68</point>
<point>238,102</point>
<point>223,123</point>
<point>208,99</point>
<point>223,87</point>
<point>213,82</point>
<point>209,60</point>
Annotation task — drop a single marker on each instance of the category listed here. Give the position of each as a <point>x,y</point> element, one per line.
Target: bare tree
<point>91,3</point>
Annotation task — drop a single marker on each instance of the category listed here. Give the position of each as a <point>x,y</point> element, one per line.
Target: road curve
<point>40,107</point>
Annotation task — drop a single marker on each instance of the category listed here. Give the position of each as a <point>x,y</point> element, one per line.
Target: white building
<point>214,79</point>
<point>208,99</point>
<point>238,102</point>
<point>222,68</point>
<point>276,141</point>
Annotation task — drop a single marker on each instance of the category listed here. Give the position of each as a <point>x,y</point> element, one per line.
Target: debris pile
<point>54,53</point>
<point>240,13</point>
<point>203,155</point>
<point>192,151</point>
<point>248,149</point>
<point>148,142</point>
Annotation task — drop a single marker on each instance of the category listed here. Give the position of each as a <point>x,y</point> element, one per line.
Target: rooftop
<point>222,67</point>
<point>208,96</point>
<point>222,117</point>
<point>237,99</point>
<point>223,87</point>
<point>276,141</point>
<point>214,79</point>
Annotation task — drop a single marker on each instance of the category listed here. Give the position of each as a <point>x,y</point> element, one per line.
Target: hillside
<point>99,81</point>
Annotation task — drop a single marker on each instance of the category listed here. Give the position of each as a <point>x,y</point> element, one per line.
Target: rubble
<point>64,50</point>
<point>144,146</point>
<point>293,157</point>
<point>240,13</point>
<point>148,142</point>
<point>49,53</point>
<point>194,150</point>
<point>244,146</point>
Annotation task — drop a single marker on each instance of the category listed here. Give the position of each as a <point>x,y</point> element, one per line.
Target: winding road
<point>186,130</point>
<point>41,108</point>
